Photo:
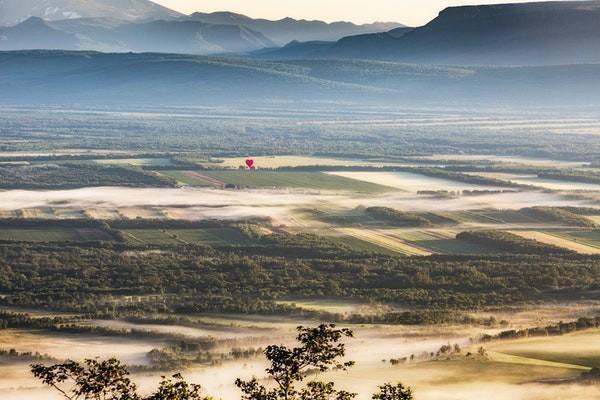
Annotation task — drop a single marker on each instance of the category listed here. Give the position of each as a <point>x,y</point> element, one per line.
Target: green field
<point>188,178</point>
<point>589,238</point>
<point>287,179</point>
<point>440,242</point>
<point>208,236</point>
<point>360,245</point>
<point>53,234</point>
<point>580,348</point>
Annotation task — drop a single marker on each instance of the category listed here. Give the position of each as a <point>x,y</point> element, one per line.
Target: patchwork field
<point>560,240</point>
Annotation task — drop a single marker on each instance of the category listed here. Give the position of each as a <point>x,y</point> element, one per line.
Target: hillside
<point>288,29</point>
<point>87,77</point>
<point>541,33</point>
<point>36,33</point>
<point>106,34</point>
<point>14,11</point>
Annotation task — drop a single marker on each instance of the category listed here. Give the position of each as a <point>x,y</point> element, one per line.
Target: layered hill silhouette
<point>106,34</point>
<point>542,33</point>
<point>288,29</point>
<point>140,25</point>
<point>13,12</point>
<point>161,79</point>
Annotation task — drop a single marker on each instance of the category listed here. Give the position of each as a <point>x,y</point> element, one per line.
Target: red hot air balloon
<point>250,163</point>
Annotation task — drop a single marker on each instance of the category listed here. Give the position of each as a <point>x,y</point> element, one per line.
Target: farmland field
<point>553,239</point>
<point>191,178</point>
<point>578,348</point>
<point>208,236</point>
<point>440,241</point>
<point>308,180</point>
<point>58,234</point>
<point>385,240</point>
<point>534,180</point>
<point>411,182</point>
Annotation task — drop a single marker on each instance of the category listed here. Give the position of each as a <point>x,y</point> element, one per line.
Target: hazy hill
<point>158,79</point>
<point>293,51</point>
<point>288,29</point>
<point>15,11</point>
<point>35,30</point>
<point>507,34</point>
<point>107,34</point>
<point>319,49</point>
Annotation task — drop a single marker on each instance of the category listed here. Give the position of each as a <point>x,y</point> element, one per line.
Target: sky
<point>408,12</point>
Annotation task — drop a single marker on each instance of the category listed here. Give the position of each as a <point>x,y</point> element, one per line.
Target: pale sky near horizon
<point>409,12</point>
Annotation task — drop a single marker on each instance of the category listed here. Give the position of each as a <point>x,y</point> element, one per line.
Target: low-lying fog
<point>372,348</point>
<point>199,203</point>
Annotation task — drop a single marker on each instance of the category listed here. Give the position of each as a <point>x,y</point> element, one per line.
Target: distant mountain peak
<point>16,11</point>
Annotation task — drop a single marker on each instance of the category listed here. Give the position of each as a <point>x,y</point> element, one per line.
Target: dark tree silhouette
<point>108,380</point>
<point>393,392</point>
<point>320,348</point>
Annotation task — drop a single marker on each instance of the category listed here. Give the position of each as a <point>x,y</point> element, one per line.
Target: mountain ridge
<point>502,34</point>
<point>288,29</point>
<point>106,34</point>
<point>16,11</point>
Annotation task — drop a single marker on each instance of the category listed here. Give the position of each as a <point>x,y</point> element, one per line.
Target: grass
<point>288,179</point>
<point>578,349</point>
<point>385,240</point>
<point>511,359</point>
<point>33,213</point>
<point>213,236</point>
<point>53,234</point>
<point>557,240</point>
<point>208,236</point>
<point>440,241</point>
<point>340,306</point>
<point>360,244</point>
<point>589,238</point>
<point>594,218</point>
<point>189,178</point>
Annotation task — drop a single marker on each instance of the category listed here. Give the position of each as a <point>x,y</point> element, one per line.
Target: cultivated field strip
<point>385,240</point>
<point>558,241</point>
